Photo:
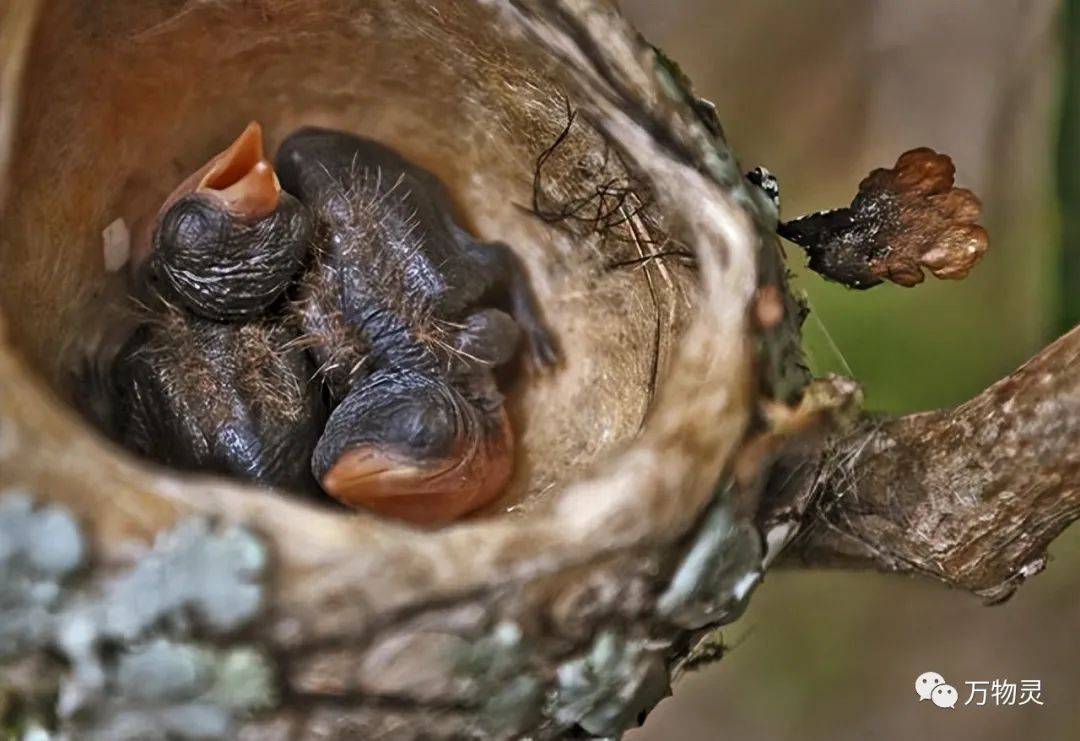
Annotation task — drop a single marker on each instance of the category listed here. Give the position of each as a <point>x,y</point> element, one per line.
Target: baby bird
<point>212,380</point>
<point>233,399</point>
<point>399,309</point>
<point>228,242</point>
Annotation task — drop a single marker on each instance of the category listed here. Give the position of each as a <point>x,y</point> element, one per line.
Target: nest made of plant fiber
<point>119,104</point>
<point>602,177</point>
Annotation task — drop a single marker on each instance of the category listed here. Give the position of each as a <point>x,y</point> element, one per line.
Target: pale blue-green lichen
<point>713,582</point>
<point>514,706</point>
<point>177,690</point>
<point>606,691</point>
<point>510,696</point>
<point>494,656</point>
<point>133,670</point>
<point>191,570</point>
<point>162,670</point>
<point>38,550</point>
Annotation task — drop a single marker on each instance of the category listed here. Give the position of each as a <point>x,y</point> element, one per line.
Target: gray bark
<point>970,496</point>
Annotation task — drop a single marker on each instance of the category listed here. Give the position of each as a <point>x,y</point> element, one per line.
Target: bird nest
<point>557,131</point>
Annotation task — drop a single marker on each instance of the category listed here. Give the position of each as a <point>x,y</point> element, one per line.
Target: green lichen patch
<point>39,549</point>
<point>607,690</point>
<point>124,658</point>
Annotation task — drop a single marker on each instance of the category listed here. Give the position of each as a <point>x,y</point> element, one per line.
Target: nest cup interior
<point>122,100</point>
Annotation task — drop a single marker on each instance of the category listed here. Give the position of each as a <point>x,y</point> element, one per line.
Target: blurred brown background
<point>820,92</point>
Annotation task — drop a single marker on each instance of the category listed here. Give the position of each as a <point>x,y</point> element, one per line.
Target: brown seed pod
<point>903,220</point>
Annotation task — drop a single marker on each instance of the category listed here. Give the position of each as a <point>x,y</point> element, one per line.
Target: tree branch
<point>970,496</point>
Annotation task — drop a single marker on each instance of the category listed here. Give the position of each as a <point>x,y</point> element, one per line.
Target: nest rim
<point>653,487</point>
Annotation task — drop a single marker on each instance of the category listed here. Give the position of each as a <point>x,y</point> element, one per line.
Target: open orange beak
<point>242,178</point>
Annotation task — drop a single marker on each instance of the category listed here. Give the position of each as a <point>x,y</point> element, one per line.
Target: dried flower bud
<point>902,221</point>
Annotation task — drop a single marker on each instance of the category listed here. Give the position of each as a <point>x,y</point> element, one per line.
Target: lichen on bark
<point>133,661</point>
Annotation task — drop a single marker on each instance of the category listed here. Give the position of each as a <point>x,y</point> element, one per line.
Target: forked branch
<point>970,496</point>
